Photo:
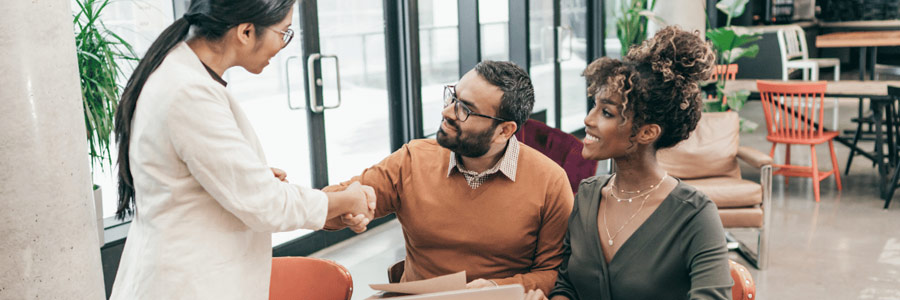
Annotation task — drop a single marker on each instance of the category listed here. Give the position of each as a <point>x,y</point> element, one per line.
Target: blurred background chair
<point>793,114</point>
<point>709,161</point>
<point>561,147</point>
<point>729,72</point>
<point>295,278</point>
<point>795,55</point>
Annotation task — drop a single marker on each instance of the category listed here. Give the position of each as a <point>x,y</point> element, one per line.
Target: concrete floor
<point>844,247</point>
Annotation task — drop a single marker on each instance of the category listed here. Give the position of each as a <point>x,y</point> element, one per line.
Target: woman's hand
<point>280,174</point>
<point>535,295</point>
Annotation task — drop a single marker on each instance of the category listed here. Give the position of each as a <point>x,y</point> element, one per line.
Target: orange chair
<point>309,278</point>
<point>744,288</point>
<point>794,114</point>
<point>730,73</point>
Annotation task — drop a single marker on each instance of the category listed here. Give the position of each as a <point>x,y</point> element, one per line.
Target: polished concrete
<point>844,247</point>
<point>48,231</point>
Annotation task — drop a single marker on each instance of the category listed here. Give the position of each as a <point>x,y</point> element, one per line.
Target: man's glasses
<point>286,36</point>
<point>462,111</point>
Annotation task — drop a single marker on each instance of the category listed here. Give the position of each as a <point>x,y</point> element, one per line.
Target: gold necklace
<point>639,193</point>
<point>612,237</point>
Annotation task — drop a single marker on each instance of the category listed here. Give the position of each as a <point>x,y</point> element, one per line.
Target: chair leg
<point>787,160</point>
<point>892,186</point>
<point>856,137</point>
<point>834,164</point>
<point>834,122</point>
<point>837,72</point>
<point>815,171</point>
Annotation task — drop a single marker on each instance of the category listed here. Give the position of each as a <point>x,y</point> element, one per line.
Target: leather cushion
<point>741,217</point>
<point>729,192</point>
<point>710,151</point>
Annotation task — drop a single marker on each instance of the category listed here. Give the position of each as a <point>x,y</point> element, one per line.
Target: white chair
<point>794,55</point>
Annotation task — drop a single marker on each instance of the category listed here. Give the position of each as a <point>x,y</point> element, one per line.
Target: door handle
<point>568,30</point>
<point>315,83</point>
<point>287,76</point>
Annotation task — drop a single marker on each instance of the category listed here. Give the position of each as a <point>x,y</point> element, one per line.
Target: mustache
<point>451,123</point>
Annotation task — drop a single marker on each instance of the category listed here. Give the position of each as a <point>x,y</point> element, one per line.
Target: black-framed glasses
<point>286,36</point>
<point>461,109</point>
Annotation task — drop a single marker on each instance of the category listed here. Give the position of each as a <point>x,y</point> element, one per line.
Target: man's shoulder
<point>534,161</point>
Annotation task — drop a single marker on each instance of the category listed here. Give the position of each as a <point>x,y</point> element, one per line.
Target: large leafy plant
<point>631,24</point>
<point>731,46</point>
<point>99,53</point>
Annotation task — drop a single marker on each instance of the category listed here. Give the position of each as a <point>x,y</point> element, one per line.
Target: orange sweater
<point>509,232</point>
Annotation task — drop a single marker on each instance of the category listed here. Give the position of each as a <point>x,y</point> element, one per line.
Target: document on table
<point>452,282</point>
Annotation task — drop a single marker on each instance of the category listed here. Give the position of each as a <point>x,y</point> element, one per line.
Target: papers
<point>452,282</point>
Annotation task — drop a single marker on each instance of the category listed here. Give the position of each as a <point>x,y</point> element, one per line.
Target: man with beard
<point>476,199</point>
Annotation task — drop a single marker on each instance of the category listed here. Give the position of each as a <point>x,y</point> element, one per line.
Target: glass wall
<point>542,53</point>
<point>357,131</point>
<point>493,16</point>
<point>573,60</point>
<point>439,56</point>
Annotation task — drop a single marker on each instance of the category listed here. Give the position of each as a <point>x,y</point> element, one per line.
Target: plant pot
<point>98,212</point>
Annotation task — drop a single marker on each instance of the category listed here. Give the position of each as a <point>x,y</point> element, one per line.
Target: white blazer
<point>207,203</point>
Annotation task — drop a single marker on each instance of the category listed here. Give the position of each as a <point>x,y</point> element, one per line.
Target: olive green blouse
<point>679,252</point>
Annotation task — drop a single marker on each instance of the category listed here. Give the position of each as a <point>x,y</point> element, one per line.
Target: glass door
<point>345,76</point>
<point>572,60</point>
<point>558,44</point>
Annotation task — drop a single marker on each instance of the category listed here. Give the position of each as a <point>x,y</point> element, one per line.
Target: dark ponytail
<point>211,19</point>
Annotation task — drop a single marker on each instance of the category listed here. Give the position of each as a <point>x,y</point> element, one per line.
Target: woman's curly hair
<point>658,82</point>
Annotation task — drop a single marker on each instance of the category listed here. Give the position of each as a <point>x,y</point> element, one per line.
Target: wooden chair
<point>794,114</point>
<point>744,288</point>
<point>794,55</point>
<point>308,278</point>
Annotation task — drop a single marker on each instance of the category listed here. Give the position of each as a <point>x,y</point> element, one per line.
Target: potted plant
<point>631,24</point>
<point>731,46</point>
<point>99,52</point>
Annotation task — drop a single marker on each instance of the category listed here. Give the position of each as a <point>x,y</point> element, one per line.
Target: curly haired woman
<point>640,233</point>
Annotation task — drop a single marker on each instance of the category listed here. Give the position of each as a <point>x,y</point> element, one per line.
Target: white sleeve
<point>206,136</point>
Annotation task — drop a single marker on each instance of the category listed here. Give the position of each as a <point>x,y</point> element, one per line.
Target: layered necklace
<point>642,194</point>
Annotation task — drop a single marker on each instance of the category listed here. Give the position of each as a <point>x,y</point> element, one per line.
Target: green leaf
<point>738,53</point>
<point>737,99</point>
<point>721,38</point>
<point>732,8</point>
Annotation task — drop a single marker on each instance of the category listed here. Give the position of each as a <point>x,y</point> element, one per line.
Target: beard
<point>466,144</point>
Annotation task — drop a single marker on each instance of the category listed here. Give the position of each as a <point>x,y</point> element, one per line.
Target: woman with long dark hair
<point>640,233</point>
<point>192,171</point>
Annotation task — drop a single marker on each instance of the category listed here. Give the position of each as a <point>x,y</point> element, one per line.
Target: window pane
<point>439,56</point>
<point>357,132</point>
<point>493,15</point>
<point>573,57</point>
<point>541,40</point>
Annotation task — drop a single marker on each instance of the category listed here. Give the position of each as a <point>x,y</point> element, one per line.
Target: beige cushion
<point>710,151</point>
<point>741,217</point>
<point>729,192</point>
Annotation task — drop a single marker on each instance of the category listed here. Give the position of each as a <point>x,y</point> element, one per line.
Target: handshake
<point>353,207</point>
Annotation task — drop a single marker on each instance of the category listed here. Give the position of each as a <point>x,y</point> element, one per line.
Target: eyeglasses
<point>462,111</point>
<point>286,36</point>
